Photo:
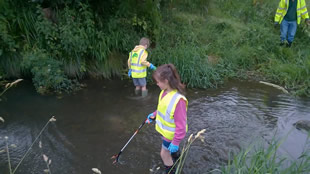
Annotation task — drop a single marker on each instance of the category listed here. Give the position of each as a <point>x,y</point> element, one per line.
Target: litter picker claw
<point>116,157</point>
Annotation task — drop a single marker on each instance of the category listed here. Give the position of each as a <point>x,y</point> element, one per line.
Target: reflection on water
<point>96,122</point>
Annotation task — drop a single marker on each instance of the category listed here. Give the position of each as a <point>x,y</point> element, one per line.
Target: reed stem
<point>31,146</point>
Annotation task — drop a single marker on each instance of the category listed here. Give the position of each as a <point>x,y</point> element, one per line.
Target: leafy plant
<point>47,72</point>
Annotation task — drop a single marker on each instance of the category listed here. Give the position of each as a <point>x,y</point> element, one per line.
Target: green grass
<point>209,41</point>
<point>240,35</point>
<point>259,159</point>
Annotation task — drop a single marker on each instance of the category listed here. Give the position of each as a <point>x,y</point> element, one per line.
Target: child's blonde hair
<point>144,41</point>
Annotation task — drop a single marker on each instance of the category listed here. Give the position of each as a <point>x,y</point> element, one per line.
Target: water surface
<point>95,123</point>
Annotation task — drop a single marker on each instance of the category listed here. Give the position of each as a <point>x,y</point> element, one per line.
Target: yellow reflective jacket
<point>302,12</point>
<point>137,62</point>
<point>165,113</point>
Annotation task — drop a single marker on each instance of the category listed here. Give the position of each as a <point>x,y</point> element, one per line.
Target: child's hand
<point>150,118</point>
<point>173,148</point>
<point>152,67</point>
<point>276,24</point>
<point>129,73</point>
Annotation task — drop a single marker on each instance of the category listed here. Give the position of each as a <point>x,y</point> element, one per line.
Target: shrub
<point>47,72</point>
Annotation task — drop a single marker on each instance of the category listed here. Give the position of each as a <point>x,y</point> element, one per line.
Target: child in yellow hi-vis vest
<point>137,65</point>
<point>171,113</point>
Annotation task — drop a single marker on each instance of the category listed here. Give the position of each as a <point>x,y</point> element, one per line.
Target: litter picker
<point>116,157</point>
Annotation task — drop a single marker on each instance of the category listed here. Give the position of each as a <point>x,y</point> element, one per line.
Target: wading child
<point>170,116</point>
<point>137,65</point>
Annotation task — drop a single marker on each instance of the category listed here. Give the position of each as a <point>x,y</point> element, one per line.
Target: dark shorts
<point>166,144</point>
<point>139,81</point>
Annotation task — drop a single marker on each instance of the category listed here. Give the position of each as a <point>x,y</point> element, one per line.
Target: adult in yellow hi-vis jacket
<point>289,14</point>
<point>137,65</point>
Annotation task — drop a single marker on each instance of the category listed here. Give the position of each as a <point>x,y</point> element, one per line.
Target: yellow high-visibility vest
<point>165,113</point>
<point>302,12</point>
<point>137,69</point>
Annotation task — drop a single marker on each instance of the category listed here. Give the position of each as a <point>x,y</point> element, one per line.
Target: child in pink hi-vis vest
<point>171,117</point>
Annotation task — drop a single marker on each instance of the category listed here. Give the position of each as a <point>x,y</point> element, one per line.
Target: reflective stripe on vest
<point>283,7</point>
<point>165,112</point>
<point>138,70</point>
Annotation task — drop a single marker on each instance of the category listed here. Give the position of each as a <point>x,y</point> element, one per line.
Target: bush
<point>47,72</point>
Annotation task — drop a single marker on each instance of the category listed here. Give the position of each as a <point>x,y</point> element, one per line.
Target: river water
<point>95,123</point>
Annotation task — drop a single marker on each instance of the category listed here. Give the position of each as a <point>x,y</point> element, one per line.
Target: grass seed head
<point>97,171</point>
<point>15,82</point>
<point>189,138</point>
<point>1,119</point>
<point>8,85</point>
<point>199,133</point>
<point>53,119</point>
<point>45,158</point>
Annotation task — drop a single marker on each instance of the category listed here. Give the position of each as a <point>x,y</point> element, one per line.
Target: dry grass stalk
<point>15,82</point>
<point>180,162</point>
<point>97,171</point>
<point>9,85</point>
<point>190,138</point>
<point>52,119</point>
<point>199,133</point>
<point>40,144</point>
<point>27,152</point>
<point>8,153</point>
<point>47,162</point>
<point>45,158</point>
<point>276,86</point>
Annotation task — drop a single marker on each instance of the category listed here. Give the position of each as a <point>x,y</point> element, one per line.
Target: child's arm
<point>180,122</point>
<point>129,63</point>
<point>144,61</point>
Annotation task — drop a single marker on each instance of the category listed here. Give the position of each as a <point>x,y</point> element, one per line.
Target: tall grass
<point>45,158</point>
<point>179,163</point>
<point>239,35</point>
<point>79,39</point>
<point>208,40</point>
<point>10,85</point>
<point>259,159</point>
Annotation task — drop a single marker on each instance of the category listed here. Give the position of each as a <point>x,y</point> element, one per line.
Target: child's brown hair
<point>144,41</point>
<point>169,72</point>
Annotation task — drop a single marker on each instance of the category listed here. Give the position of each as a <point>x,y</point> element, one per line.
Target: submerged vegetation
<point>56,43</point>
